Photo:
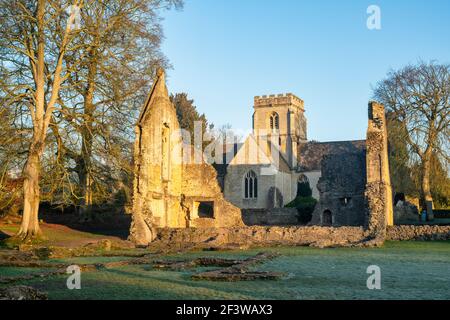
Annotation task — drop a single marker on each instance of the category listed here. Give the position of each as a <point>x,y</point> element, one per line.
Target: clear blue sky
<point>224,52</point>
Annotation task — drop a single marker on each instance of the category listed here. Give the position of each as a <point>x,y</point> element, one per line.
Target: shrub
<point>305,207</point>
<point>304,190</point>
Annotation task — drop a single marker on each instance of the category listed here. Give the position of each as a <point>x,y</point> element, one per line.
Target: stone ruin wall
<point>167,193</point>
<point>341,188</point>
<point>200,184</point>
<point>313,236</point>
<point>255,236</point>
<point>419,233</point>
<point>362,177</point>
<point>155,188</point>
<point>270,217</point>
<point>378,189</point>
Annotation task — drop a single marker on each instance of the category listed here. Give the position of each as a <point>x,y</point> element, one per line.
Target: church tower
<point>280,120</point>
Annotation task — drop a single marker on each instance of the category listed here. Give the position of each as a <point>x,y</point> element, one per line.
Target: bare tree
<point>36,72</point>
<point>418,96</point>
<point>118,51</point>
<point>83,85</point>
<point>9,186</point>
<point>399,158</point>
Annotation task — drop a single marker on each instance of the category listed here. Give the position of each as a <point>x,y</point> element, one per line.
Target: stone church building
<point>267,169</point>
<point>263,172</point>
<point>257,177</point>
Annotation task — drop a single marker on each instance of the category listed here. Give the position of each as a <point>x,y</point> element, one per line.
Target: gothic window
<point>274,121</point>
<point>250,185</point>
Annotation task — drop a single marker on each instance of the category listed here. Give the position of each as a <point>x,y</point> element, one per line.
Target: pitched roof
<point>251,153</point>
<point>310,154</point>
<point>230,150</point>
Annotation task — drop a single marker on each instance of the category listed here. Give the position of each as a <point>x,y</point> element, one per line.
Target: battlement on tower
<point>278,100</point>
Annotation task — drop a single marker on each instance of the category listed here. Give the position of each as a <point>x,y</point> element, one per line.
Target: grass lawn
<point>409,270</point>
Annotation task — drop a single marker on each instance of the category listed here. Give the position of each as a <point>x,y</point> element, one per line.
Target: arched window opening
<point>274,121</point>
<point>250,185</point>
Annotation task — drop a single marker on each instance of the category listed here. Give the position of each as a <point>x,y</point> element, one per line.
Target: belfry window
<point>274,121</point>
<point>250,185</point>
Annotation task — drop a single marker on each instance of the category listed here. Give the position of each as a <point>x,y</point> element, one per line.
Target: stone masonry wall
<point>404,233</point>
<point>262,236</point>
<point>313,236</point>
<point>157,171</point>
<point>167,191</point>
<point>378,189</point>
<point>270,217</point>
<point>200,183</point>
<point>341,189</point>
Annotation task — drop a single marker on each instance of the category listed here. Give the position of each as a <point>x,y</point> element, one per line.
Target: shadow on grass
<point>168,286</point>
<point>100,223</point>
<point>3,236</point>
<point>4,240</point>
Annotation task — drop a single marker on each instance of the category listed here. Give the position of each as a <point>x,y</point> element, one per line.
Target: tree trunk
<point>87,138</point>
<point>86,184</point>
<point>41,115</point>
<point>426,190</point>
<point>30,220</point>
<point>426,182</point>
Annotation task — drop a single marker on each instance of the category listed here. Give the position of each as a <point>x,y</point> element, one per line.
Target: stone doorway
<point>327,218</point>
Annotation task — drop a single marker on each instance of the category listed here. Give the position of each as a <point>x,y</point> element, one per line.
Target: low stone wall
<point>314,236</point>
<point>418,233</point>
<point>270,217</point>
<point>262,236</point>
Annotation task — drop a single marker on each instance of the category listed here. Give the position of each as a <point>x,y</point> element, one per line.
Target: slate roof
<point>310,154</point>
